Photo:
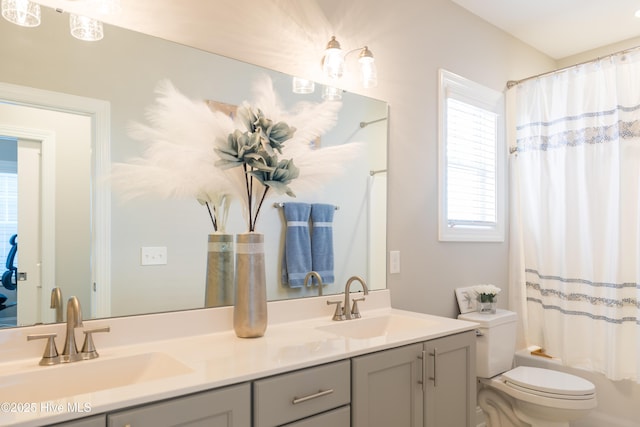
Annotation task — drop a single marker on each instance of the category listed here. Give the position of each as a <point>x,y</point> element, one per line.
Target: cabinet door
<point>386,388</point>
<point>450,381</point>
<point>228,407</point>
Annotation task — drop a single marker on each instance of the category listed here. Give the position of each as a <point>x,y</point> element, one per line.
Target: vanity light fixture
<point>637,14</point>
<point>85,28</point>
<point>368,70</point>
<point>333,63</point>
<point>21,12</point>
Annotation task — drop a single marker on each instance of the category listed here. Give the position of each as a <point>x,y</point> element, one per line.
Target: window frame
<point>488,99</point>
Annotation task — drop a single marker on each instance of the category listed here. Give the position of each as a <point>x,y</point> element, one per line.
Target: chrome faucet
<point>56,303</point>
<point>317,276</point>
<point>350,313</point>
<point>74,320</point>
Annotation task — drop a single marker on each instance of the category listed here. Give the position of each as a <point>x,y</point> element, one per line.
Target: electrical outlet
<point>394,262</point>
<point>153,255</point>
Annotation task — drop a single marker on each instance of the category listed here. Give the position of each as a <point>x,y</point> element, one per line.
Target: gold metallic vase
<point>219,291</point>
<point>250,311</point>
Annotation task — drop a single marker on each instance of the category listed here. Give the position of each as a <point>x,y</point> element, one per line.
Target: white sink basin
<point>364,328</point>
<point>69,379</point>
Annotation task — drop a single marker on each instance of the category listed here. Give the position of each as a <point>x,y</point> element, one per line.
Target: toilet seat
<point>536,391</point>
<point>549,383</point>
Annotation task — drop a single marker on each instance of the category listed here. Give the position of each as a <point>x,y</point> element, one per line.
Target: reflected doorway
<point>8,227</point>
<point>20,215</point>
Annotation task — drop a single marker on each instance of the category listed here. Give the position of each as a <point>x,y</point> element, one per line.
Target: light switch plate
<point>394,262</point>
<point>153,255</point>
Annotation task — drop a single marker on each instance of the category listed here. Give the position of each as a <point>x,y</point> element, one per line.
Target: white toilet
<point>523,396</point>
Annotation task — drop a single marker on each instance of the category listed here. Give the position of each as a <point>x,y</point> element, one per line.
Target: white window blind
<point>471,165</point>
<point>471,161</point>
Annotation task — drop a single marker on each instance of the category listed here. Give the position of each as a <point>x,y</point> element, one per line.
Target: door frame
<point>100,113</point>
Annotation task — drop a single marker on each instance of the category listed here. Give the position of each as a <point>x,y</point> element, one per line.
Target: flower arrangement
<point>486,293</point>
<point>192,151</point>
<point>255,151</point>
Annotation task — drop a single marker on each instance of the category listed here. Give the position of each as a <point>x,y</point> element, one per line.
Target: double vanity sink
<point>132,370</point>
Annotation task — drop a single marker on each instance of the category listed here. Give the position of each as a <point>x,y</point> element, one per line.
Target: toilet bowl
<point>523,396</point>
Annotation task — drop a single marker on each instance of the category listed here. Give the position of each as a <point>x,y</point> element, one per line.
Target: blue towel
<point>296,261</point>
<point>322,240</point>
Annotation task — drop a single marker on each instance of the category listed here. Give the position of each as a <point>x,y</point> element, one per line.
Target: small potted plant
<point>487,298</point>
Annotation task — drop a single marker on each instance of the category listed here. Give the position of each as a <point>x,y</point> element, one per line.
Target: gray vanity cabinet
<point>386,388</point>
<point>227,407</point>
<point>428,384</point>
<point>450,386</point>
<point>432,384</point>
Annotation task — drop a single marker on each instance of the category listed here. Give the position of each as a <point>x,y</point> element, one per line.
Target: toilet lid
<point>549,382</point>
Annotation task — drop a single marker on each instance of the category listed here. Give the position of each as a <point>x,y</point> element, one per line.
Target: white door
<point>29,257</point>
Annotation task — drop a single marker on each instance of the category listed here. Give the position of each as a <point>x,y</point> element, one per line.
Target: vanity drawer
<point>289,397</point>
<point>340,417</point>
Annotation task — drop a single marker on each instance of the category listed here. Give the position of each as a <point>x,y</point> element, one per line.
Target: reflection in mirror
<point>122,71</point>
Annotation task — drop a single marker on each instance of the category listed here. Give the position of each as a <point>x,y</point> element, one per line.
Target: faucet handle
<point>50,356</point>
<point>355,311</point>
<point>88,348</point>
<point>339,313</point>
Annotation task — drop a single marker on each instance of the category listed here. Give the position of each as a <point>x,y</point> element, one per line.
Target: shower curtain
<point>575,215</point>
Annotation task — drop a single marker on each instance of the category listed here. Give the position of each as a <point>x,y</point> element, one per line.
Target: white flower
<point>486,293</point>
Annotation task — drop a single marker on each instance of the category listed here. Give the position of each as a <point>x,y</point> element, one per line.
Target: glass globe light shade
<point>21,12</point>
<point>85,28</point>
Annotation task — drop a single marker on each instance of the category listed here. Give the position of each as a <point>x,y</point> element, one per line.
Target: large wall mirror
<point>119,74</point>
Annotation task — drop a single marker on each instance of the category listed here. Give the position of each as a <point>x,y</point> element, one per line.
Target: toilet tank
<point>496,341</point>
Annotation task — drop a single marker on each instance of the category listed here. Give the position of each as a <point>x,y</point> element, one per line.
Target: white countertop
<point>213,355</point>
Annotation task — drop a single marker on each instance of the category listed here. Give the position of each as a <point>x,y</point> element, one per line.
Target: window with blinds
<point>471,161</point>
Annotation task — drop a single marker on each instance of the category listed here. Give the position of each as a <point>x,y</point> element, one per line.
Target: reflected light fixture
<point>85,28</point>
<point>21,12</point>
<point>303,86</point>
<point>333,63</point>
<point>331,93</point>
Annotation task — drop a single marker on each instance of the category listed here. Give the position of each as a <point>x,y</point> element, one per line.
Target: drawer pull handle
<point>321,393</point>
